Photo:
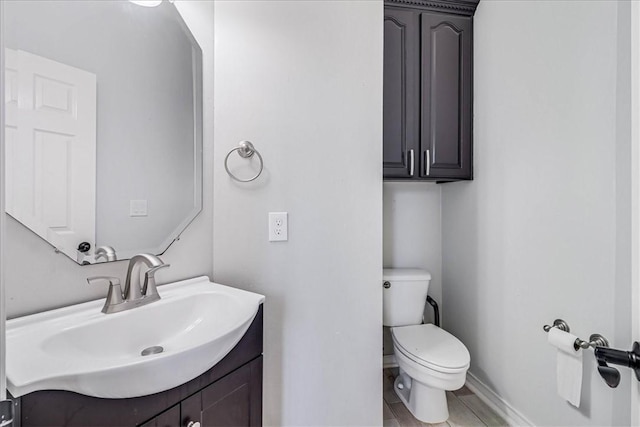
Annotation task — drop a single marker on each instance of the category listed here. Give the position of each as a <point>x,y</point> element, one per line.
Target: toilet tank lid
<point>405,274</point>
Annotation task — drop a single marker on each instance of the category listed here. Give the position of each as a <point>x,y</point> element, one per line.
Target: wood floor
<point>465,409</point>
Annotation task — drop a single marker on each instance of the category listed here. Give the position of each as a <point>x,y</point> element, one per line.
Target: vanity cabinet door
<point>446,119</point>
<point>169,418</point>
<point>234,400</point>
<point>401,108</point>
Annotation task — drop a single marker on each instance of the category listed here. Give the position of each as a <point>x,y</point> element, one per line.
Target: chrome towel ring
<point>245,149</point>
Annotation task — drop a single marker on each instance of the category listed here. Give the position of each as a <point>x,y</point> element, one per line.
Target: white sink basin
<point>80,349</point>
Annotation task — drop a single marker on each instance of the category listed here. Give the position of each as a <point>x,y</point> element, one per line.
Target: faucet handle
<point>149,286</point>
<point>114,296</point>
<point>113,281</point>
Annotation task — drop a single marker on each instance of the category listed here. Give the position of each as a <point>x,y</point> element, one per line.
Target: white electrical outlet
<point>278,227</point>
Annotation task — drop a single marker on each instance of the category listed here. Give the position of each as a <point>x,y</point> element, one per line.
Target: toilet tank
<point>403,295</point>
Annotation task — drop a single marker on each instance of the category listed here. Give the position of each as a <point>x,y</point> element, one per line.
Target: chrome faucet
<point>132,288</point>
<point>134,294</point>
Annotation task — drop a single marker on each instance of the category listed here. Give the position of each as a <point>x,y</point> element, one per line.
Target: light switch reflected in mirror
<point>103,125</point>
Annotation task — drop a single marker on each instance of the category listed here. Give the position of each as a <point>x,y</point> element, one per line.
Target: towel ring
<point>245,149</point>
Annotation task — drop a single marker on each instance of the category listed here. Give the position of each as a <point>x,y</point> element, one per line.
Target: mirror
<point>103,125</point>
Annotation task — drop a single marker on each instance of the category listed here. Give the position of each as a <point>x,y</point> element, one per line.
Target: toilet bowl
<point>430,359</point>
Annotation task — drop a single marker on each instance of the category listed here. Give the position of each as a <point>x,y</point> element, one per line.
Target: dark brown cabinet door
<point>169,418</point>
<point>232,401</point>
<point>446,122</point>
<point>401,111</point>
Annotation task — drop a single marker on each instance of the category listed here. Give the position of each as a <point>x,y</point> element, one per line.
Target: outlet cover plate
<point>278,227</point>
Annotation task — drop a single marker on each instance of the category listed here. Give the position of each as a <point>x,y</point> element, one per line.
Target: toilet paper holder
<point>595,340</point>
<point>605,355</point>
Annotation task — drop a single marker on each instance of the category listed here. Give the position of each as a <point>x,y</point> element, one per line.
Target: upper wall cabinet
<point>401,127</point>
<point>428,72</point>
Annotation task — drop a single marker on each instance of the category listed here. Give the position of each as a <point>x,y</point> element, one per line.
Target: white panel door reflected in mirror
<point>141,185</point>
<point>50,127</point>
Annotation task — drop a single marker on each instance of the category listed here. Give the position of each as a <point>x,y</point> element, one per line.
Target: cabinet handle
<point>427,162</point>
<point>411,162</point>
<point>193,424</point>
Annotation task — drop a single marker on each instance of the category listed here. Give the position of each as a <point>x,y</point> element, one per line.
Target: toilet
<point>430,359</point>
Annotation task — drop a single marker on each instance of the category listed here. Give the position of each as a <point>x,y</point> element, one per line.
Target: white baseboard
<point>511,415</point>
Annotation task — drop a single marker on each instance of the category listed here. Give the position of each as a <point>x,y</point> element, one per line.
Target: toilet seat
<point>431,347</point>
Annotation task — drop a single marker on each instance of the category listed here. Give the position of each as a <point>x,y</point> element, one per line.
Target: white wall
<point>3,314</point>
<point>412,232</point>
<point>142,59</point>
<point>542,232</point>
<point>303,82</point>
<point>37,279</point>
<point>625,222</point>
<point>634,16</point>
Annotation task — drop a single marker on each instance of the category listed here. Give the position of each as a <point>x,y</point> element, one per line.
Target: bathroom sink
<point>193,326</point>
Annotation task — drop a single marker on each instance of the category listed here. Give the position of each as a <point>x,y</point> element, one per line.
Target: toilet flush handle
<point>386,284</point>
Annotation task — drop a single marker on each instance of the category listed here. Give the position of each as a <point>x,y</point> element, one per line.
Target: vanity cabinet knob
<point>386,285</point>
<point>193,424</point>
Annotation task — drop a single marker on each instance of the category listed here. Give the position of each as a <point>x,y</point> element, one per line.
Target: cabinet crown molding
<point>459,7</point>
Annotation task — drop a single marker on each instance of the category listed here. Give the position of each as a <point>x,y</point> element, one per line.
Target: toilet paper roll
<point>569,365</point>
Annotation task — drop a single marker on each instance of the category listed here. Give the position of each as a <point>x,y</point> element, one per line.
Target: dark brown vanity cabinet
<point>229,394</point>
<point>233,400</point>
<point>228,402</point>
<point>169,418</point>
<point>428,71</point>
